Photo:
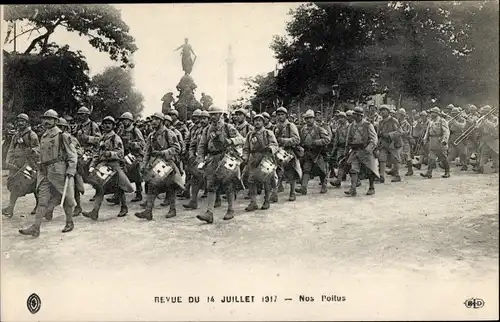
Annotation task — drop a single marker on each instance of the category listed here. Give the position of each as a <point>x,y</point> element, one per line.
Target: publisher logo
<point>34,303</point>
<point>474,303</point>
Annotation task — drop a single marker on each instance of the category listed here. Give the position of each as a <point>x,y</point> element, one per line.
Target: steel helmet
<point>83,110</point>
<point>309,113</point>
<point>173,112</point>
<point>259,116</point>
<point>108,119</point>
<point>62,122</point>
<point>51,114</point>
<point>127,116</point>
<point>204,114</point>
<point>158,115</point>
<point>281,110</point>
<point>23,116</point>
<point>197,113</point>
<point>168,118</point>
<point>215,110</point>
<point>266,115</point>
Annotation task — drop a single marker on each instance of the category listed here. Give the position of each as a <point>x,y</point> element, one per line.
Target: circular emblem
<point>34,303</point>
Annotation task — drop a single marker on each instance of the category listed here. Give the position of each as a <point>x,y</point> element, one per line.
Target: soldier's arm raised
<point>71,154</point>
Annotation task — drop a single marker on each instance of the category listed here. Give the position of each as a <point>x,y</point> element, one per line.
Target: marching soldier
<point>133,144</point>
<point>242,126</point>
<point>436,137</point>
<point>188,160</point>
<point>373,117</point>
<point>406,130</point>
<point>390,144</point>
<point>488,142</point>
<point>339,146</point>
<point>88,134</point>
<point>163,145</point>
<point>111,153</point>
<point>23,149</point>
<point>79,188</point>
<point>184,131</point>
<point>361,142</point>
<point>196,175</point>
<point>472,141</point>
<point>218,139</point>
<point>287,136</point>
<point>267,121</point>
<point>58,160</point>
<point>456,127</point>
<point>418,136</point>
<point>259,144</point>
<point>314,139</point>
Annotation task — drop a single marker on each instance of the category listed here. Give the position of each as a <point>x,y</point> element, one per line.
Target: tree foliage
<point>100,23</point>
<point>113,93</point>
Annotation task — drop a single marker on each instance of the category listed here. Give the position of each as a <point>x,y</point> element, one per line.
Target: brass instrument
<point>474,126</point>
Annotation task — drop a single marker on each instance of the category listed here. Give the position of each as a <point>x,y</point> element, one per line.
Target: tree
<point>113,93</point>
<point>55,80</point>
<point>100,23</point>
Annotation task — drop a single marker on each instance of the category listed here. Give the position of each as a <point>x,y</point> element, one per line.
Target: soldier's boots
<point>218,201</point>
<point>185,195</point>
<point>192,204</point>
<point>336,183</point>
<point>32,230</point>
<point>302,190</point>
<point>274,197</point>
<point>68,227</point>
<point>207,217</point>
<point>426,175</point>
<point>323,187</point>
<point>138,197</point>
<point>371,191</point>
<point>123,211</point>
<point>446,174</point>
<point>145,214</point>
<point>115,200</point>
<point>396,179</point>
<point>171,213</point>
<point>409,166</point>
<point>229,214</point>
<point>391,172</point>
<point>292,196</point>
<point>252,206</point>
<point>49,215</point>
<point>351,192</point>
<point>418,166</point>
<point>77,211</point>
<point>7,211</point>
<point>93,214</point>
<point>381,179</point>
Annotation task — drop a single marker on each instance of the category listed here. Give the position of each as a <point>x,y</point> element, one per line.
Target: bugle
<point>474,126</point>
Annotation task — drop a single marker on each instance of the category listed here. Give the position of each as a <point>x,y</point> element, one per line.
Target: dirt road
<point>417,249</point>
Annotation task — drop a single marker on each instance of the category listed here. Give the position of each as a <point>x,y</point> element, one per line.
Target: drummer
<point>111,154</point>
<point>217,139</point>
<point>260,146</point>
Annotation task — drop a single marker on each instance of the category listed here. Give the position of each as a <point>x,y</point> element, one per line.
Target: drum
<point>228,167</point>
<point>105,177</point>
<point>23,181</point>
<point>266,169</point>
<point>283,157</point>
<point>159,172</point>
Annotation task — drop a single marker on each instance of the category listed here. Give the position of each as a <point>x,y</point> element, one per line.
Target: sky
<point>160,28</point>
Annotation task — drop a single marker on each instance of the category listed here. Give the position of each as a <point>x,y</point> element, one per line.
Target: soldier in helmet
<point>420,149</point>
<point>436,137</point>
<point>111,154</point>
<point>133,145</point>
<point>488,142</point>
<point>161,145</point>
<point>267,121</point>
<point>259,144</point>
<point>361,141</point>
<point>406,138</point>
<point>196,176</point>
<point>195,117</point>
<point>390,144</point>
<point>23,149</point>
<point>314,139</point>
<point>457,126</point>
<point>87,133</point>
<point>184,131</point>
<point>242,126</point>
<point>287,136</point>
<point>339,146</point>
<point>218,138</point>
<point>58,159</point>
<point>79,186</point>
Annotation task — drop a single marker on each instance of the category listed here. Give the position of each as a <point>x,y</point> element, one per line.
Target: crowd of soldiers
<point>223,154</point>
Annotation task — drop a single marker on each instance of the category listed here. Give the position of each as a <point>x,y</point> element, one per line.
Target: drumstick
<point>64,190</point>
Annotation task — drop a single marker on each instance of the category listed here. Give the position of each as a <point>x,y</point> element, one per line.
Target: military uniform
<point>314,139</point>
<point>361,141</point>
<point>111,153</point>
<point>58,159</point>
<point>23,149</point>
<point>406,137</point>
<point>488,143</point>
<point>217,139</point>
<point>288,137</point>
<point>259,144</point>
<point>389,146</point>
<point>161,144</point>
<point>436,137</point>
<point>457,127</point>
<point>339,148</point>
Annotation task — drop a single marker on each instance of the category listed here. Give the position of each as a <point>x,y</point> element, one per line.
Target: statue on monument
<point>187,60</point>
<point>206,101</point>
<point>167,100</point>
